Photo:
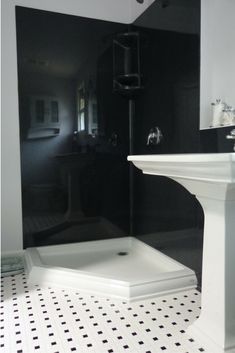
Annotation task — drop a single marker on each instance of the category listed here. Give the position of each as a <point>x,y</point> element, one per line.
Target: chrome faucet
<point>231,136</point>
<point>155,136</point>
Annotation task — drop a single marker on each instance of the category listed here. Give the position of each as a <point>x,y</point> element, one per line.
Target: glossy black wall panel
<point>170,100</point>
<point>75,182</point>
<point>215,141</point>
<point>75,178</point>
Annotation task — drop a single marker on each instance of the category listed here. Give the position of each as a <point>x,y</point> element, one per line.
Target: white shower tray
<point>124,268</point>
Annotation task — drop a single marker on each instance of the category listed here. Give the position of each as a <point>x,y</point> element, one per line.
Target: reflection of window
<point>82,121</point>
<point>92,107</point>
<point>82,100</point>
<point>87,108</point>
<point>81,109</point>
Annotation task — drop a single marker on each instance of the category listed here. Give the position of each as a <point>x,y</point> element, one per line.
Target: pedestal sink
<point>211,178</point>
<point>72,165</point>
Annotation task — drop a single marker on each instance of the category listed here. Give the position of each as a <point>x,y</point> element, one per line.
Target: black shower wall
<point>75,186</point>
<point>215,141</point>
<point>170,100</point>
<point>113,119</point>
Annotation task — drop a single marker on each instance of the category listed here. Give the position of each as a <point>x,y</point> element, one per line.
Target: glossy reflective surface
<point>74,130</point>
<point>77,129</point>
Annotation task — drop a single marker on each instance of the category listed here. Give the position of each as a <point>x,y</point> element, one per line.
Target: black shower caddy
<point>126,63</point>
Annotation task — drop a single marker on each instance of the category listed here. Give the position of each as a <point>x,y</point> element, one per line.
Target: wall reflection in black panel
<point>73,130</point>
<point>78,126</point>
<point>165,214</point>
<point>170,100</point>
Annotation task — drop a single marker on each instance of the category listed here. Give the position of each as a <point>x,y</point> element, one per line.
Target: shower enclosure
<point>90,93</point>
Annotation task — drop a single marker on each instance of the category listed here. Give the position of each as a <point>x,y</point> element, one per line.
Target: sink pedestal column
<point>211,178</point>
<point>215,328</point>
<point>71,165</point>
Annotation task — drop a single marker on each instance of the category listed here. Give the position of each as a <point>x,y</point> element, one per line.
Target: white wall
<point>113,10</point>
<point>217,55</point>
<point>136,8</point>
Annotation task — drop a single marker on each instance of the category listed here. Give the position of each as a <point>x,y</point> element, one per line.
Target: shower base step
<point>124,268</point>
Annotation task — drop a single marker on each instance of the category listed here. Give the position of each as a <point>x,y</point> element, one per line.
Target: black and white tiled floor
<point>56,320</point>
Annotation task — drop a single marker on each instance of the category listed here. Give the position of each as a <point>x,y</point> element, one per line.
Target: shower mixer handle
<point>155,136</point>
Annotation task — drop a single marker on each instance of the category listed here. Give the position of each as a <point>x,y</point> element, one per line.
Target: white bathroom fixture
<point>123,268</point>
<point>211,178</point>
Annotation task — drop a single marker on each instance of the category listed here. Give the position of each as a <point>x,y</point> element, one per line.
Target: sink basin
<point>211,178</point>
<point>211,167</point>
